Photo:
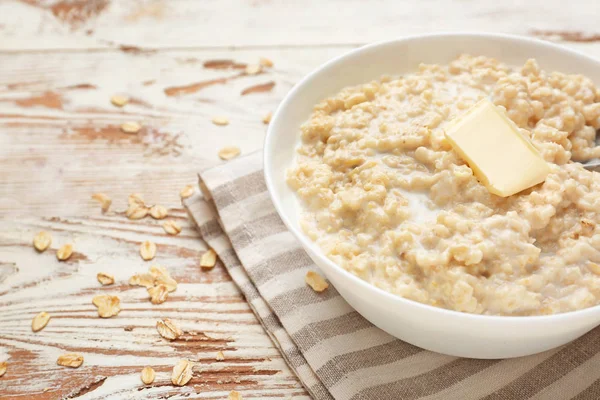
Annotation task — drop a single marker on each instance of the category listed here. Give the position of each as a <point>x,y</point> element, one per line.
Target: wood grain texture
<point>181,63</point>
<point>61,137</point>
<point>207,305</point>
<point>148,24</point>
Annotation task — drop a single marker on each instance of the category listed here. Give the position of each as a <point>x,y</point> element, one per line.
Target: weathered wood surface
<point>60,61</point>
<point>94,24</point>
<point>208,307</point>
<point>61,137</point>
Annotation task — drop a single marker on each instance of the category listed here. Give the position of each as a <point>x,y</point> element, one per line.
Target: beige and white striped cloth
<point>335,352</point>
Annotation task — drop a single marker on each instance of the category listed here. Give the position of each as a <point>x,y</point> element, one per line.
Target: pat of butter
<point>500,156</point>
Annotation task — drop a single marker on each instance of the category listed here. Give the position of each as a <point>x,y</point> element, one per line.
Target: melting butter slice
<point>500,156</point>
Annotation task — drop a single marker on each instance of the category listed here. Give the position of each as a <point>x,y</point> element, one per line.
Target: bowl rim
<point>268,149</point>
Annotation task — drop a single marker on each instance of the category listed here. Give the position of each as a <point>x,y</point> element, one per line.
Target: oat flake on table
<point>182,373</point>
<point>42,241</point>
<point>64,252</point>
<point>147,375</point>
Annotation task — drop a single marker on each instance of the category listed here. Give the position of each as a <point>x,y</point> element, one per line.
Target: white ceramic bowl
<point>440,330</point>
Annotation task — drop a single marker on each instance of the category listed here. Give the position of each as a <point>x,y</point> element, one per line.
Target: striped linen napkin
<point>335,352</point>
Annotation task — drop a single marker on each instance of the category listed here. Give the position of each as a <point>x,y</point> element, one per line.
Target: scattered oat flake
<point>3,367</point>
<point>233,395</point>
<point>158,270</point>
<point>147,375</point>
<point>162,277</point>
<point>221,121</point>
<point>64,252</point>
<point>128,328</point>
<point>147,250</point>
<point>40,321</point>
<point>316,281</point>
<point>72,360</point>
<point>130,127</point>
<point>103,199</point>
<point>146,280</point>
<point>42,241</point>
<point>156,276</point>
<point>136,211</point>
<point>182,372</point>
<point>136,198</point>
<point>229,152</point>
<point>108,306</point>
<point>253,69</point>
<point>168,329</point>
<point>119,100</point>
<point>186,192</point>
<point>158,212</point>
<point>105,279</point>
<point>158,294</point>
<point>265,62</point>
<point>171,227</point>
<point>208,259</point>
<point>220,356</point>
<point>267,118</point>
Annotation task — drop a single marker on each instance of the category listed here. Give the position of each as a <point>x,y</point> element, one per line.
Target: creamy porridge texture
<point>386,197</point>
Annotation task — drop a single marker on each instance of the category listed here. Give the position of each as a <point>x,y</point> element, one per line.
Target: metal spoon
<point>592,165</point>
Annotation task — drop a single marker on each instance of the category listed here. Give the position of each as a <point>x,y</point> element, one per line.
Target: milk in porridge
<point>387,198</point>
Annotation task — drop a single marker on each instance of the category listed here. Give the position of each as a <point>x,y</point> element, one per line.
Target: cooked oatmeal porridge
<point>387,198</point>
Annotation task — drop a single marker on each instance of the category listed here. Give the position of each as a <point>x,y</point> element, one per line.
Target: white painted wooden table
<point>60,62</point>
